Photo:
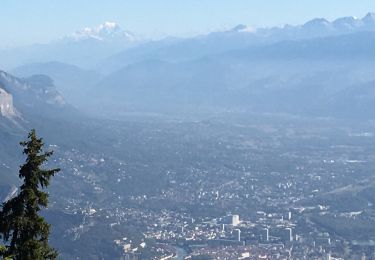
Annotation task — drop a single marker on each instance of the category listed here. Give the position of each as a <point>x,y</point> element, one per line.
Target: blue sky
<point>24,22</point>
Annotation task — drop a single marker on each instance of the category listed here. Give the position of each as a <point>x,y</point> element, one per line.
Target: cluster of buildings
<point>247,207</point>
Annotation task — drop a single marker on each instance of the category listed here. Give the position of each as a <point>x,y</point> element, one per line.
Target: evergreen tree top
<point>25,232</point>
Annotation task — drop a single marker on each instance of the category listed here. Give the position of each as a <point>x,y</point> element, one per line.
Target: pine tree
<point>23,230</point>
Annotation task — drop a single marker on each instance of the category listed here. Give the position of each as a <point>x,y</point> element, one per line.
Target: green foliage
<point>2,250</point>
<point>23,230</point>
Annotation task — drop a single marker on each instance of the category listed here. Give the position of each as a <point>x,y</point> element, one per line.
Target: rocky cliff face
<point>6,104</point>
<point>35,95</point>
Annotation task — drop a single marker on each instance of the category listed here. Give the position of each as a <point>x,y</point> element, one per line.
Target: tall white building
<point>267,238</point>
<point>290,234</point>
<point>238,234</point>
<point>235,220</point>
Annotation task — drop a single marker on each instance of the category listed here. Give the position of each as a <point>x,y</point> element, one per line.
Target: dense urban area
<point>243,189</point>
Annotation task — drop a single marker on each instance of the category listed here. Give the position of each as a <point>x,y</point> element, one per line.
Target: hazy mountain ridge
<point>36,101</point>
<point>239,69</point>
<point>105,47</point>
<point>33,91</point>
<point>320,27</point>
<point>239,37</point>
<point>83,48</point>
<point>73,82</point>
<point>308,77</point>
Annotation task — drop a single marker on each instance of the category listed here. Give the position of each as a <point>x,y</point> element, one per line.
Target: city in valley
<point>156,130</point>
<point>246,189</point>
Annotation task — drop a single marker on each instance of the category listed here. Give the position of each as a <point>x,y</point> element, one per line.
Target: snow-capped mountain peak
<point>109,26</point>
<point>347,20</point>
<point>104,32</point>
<point>347,23</point>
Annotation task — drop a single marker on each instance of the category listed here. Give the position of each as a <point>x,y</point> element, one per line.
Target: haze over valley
<point>243,143</point>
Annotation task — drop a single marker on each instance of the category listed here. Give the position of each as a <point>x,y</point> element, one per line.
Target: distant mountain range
<point>83,48</point>
<point>321,27</point>
<point>109,45</point>
<point>314,69</point>
<point>240,37</point>
<point>72,81</point>
<point>325,76</point>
